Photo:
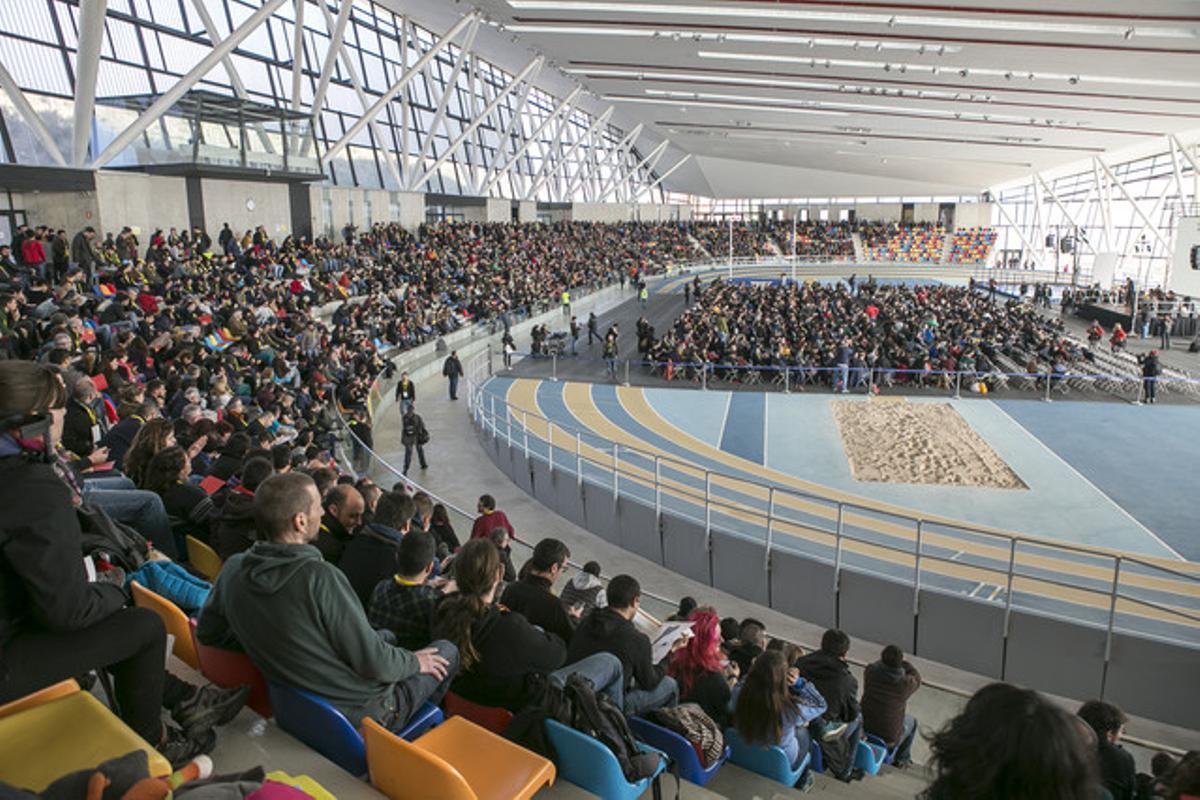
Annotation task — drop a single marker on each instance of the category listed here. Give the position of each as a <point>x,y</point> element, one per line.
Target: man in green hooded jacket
<point>300,622</point>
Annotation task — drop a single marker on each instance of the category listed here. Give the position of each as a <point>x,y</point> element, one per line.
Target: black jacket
<point>77,429</point>
<point>606,631</point>
<point>452,367</point>
<point>531,597</point>
<point>835,683</point>
<point>43,584</point>
<point>234,530</point>
<point>120,437</point>
<point>332,539</point>
<point>511,653</point>
<point>372,555</point>
<point>885,695</point>
<point>1117,771</point>
<point>406,391</point>
<point>711,691</point>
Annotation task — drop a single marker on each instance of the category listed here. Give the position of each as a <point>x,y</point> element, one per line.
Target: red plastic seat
<point>227,668</point>
<point>493,718</point>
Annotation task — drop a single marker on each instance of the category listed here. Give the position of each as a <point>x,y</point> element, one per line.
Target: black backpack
<point>596,716</point>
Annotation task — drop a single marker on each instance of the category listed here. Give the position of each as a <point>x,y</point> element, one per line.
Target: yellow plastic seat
<point>457,760</point>
<point>175,620</point>
<point>59,730</point>
<point>204,558</point>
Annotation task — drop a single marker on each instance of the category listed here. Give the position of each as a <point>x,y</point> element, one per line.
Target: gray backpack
<point>690,722</point>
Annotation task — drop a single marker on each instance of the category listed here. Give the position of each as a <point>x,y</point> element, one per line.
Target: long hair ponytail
<point>477,567</point>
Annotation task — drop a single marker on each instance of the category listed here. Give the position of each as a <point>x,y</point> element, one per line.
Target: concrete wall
<point>974,215</point>
<point>527,211</point>
<point>143,202</point>
<point>600,212</point>
<point>70,211</point>
<point>498,210</point>
<point>877,212</point>
<point>231,201</point>
<point>925,212</point>
<point>363,207</point>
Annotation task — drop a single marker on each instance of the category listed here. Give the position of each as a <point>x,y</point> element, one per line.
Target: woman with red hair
<point>701,669</point>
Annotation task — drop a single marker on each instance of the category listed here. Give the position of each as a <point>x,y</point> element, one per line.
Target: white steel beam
<point>551,155</point>
<point>1137,207</point>
<point>235,80</point>
<point>31,117</point>
<point>1037,176</point>
<point>298,51</point>
<point>532,66</point>
<point>336,34</point>
<point>404,113</point>
<point>1036,253</point>
<point>568,104</point>
<point>587,166</point>
<point>399,85</point>
<point>172,95</point>
<point>537,184</point>
<point>87,66</point>
<point>504,142</point>
<point>451,88</point>
<point>364,101</point>
<point>1104,198</point>
<point>655,153</point>
<point>667,174</point>
<point>620,151</point>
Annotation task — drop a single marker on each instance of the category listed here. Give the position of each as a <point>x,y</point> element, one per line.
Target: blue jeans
<point>605,672</point>
<point>138,509</point>
<point>907,737</point>
<point>409,694</point>
<point>665,694</point>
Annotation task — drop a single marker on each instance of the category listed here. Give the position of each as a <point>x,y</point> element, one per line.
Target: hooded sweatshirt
<point>299,621</point>
<point>586,589</point>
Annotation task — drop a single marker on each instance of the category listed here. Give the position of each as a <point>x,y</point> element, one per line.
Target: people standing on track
<point>413,434</point>
<point>452,368</point>
<point>687,295</point>
<point>643,294</point>
<point>575,330</point>
<point>1164,331</point>
<point>611,340</point>
<point>1151,369</point>
<point>406,393</point>
<point>508,346</point>
<point>566,303</point>
<point>592,326</point>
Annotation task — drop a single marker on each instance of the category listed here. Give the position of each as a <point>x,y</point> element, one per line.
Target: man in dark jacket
<point>414,436</point>
<point>372,555</point>
<point>234,531</point>
<point>83,252</point>
<point>532,594</point>
<point>827,669</point>
<point>404,603</point>
<point>298,619</point>
<point>84,427</point>
<point>887,685</point>
<point>120,436</point>
<point>1151,369</point>
<point>406,393</point>
<point>611,630</point>
<point>344,507</point>
<point>452,369</point>
<point>1117,769</point>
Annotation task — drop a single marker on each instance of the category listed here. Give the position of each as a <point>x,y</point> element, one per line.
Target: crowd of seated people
<point>748,240</point>
<point>816,239</point>
<point>910,242</point>
<point>972,246</point>
<point>837,335</point>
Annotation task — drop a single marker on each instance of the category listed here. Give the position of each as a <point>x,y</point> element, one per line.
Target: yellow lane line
<point>639,408</point>
<point>523,395</point>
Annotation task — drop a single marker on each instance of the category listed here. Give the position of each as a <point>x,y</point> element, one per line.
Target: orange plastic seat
<point>457,760</point>
<point>60,729</point>
<point>204,558</point>
<point>175,620</point>
<point>493,718</point>
<point>228,669</point>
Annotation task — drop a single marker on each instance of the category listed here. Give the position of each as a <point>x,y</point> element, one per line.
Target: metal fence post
<point>770,527</point>
<point>917,567</point>
<point>958,386</point>
<point>627,372</point>
<point>615,474</point>
<point>550,447</point>
<point>1008,592</point>
<point>837,546</point>
<point>657,490</point>
<point>787,378</point>
<point>704,375</point>
<point>493,403</point>
<point>1047,397</point>
<point>578,458</point>
<point>489,356</point>
<point>525,428</point>
<point>708,522</point>
<point>554,366</point>
<point>1112,618</point>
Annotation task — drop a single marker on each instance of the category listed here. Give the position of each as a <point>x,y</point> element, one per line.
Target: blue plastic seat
<point>314,721</point>
<point>816,758</point>
<point>891,751</point>
<point>590,765</point>
<point>678,748</point>
<point>869,757</point>
<point>770,762</point>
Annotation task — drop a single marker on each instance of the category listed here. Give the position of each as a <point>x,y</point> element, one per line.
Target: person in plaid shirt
<point>404,603</point>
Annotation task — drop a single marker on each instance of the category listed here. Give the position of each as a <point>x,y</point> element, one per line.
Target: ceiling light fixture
<point>1120,80</point>
<point>721,105</point>
<point>864,18</point>
<point>616,29</point>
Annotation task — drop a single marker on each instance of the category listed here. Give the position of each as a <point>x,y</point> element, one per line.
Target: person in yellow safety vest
<point>566,303</point>
<point>643,295</point>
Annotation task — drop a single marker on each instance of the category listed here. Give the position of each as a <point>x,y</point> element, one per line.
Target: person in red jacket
<point>490,519</point>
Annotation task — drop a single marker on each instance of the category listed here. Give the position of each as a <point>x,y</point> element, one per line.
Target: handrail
<point>470,393</point>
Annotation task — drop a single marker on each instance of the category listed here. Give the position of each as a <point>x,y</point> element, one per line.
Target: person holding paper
<point>611,630</point>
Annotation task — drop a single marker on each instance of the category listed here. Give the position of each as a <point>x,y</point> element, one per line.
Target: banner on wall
<point>1185,262</point>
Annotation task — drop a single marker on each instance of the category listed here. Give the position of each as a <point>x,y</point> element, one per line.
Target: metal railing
<point>916,269</point>
<point>1119,591</point>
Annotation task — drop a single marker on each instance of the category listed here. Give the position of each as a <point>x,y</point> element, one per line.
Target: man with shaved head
<point>344,506</point>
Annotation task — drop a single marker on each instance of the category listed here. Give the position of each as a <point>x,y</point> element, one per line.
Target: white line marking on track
<point>1083,478</point>
<point>724,419</point>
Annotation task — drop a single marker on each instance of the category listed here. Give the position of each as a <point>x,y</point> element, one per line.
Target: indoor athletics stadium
<point>452,399</point>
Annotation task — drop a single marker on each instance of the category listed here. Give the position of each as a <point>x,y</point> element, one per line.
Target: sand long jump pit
<point>894,441</point>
